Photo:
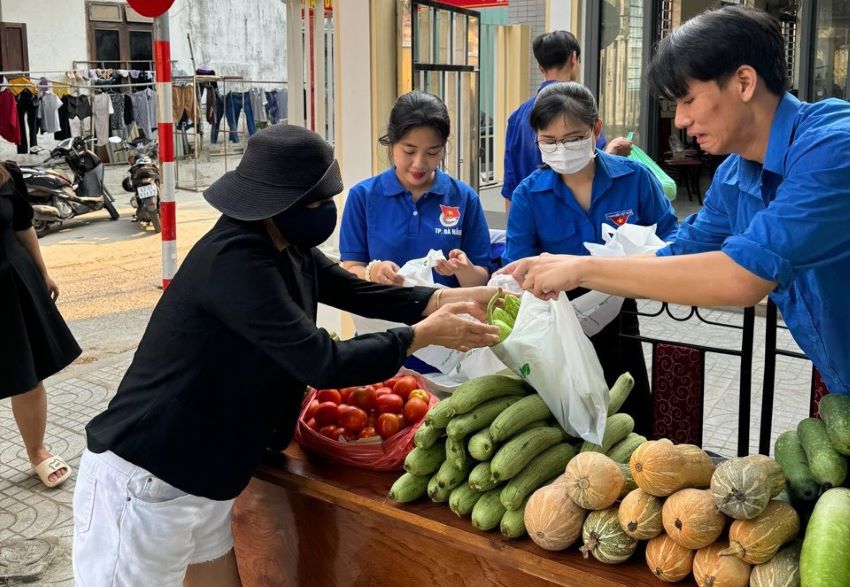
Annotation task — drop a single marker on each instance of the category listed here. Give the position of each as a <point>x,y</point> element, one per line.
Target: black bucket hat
<point>283,166</point>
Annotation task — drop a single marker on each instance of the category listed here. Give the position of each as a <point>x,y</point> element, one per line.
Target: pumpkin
<point>593,480</point>
<point>742,487</point>
<point>604,538</point>
<point>713,570</point>
<point>667,560</point>
<point>661,468</point>
<point>691,520</point>
<point>756,541</point>
<point>552,520</point>
<point>640,515</point>
<point>783,570</point>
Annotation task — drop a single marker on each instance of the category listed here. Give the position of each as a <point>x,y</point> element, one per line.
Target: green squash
<point>741,488</point>
<point>604,538</point>
<point>783,570</point>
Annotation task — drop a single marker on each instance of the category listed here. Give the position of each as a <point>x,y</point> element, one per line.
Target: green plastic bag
<point>667,183</point>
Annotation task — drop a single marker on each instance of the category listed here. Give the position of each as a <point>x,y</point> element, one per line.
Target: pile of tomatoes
<point>382,409</point>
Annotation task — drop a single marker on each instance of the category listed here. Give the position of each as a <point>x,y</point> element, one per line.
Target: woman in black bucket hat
<point>221,369</point>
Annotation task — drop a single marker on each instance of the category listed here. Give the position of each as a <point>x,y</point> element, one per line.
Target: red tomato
<point>367,432</point>
<point>415,409</point>
<point>388,424</point>
<point>326,414</point>
<point>344,394</point>
<point>311,409</point>
<point>311,423</point>
<point>330,431</point>
<point>421,394</point>
<point>328,395</point>
<point>405,385</point>
<point>363,397</point>
<point>382,391</point>
<point>389,403</point>
<point>353,419</point>
<point>391,381</point>
<point>340,410</point>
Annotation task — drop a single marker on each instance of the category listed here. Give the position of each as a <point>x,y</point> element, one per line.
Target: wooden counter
<point>306,522</point>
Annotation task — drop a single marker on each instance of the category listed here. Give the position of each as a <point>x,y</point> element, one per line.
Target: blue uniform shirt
<point>381,221</point>
<point>787,221</point>
<point>546,218</point>
<point>522,157</point>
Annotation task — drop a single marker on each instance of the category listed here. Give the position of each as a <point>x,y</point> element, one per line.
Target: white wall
<point>56,31</point>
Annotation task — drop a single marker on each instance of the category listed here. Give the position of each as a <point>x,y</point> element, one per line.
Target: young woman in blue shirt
<point>564,204</point>
<point>414,207</point>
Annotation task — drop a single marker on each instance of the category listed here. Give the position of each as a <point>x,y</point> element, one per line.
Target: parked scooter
<point>142,179</point>
<point>55,198</point>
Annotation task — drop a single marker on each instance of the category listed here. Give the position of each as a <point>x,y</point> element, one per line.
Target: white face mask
<point>567,160</point>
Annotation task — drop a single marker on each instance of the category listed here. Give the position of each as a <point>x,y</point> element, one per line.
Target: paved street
<point>109,273</point>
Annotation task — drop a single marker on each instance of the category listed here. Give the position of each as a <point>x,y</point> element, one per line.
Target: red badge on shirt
<point>449,216</point>
<point>619,218</point>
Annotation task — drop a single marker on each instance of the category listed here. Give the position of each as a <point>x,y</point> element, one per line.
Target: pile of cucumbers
<point>489,446</point>
<point>814,460</point>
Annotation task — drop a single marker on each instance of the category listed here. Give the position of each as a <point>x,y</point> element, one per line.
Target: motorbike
<point>142,179</point>
<point>55,198</point>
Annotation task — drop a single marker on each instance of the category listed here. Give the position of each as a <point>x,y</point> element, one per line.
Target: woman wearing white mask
<point>565,203</point>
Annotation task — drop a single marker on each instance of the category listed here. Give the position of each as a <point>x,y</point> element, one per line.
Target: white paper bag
<point>548,349</point>
<point>595,310</point>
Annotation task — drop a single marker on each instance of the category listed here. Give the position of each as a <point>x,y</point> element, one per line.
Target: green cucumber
<point>835,412</point>
<point>548,464</point>
<point>424,461</point>
<point>521,449</point>
<point>513,522</point>
<point>463,498</point>
<point>475,392</point>
<point>480,478</point>
<point>619,392</point>
<point>518,416</point>
<point>426,435</point>
<point>825,558</point>
<point>482,447</point>
<point>488,511</point>
<point>408,488</point>
<point>462,425</point>
<point>622,451</point>
<point>438,493</point>
<point>440,415</point>
<point>449,476</point>
<point>791,457</point>
<point>617,428</point>
<point>456,454</point>
<point>828,466</point>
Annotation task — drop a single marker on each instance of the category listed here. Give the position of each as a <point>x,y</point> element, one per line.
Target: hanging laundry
<point>9,129</point>
<point>48,110</point>
<point>102,107</point>
<point>27,102</point>
<point>19,84</point>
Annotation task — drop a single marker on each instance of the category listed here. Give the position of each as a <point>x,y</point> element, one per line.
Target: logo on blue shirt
<point>621,217</point>
<point>449,215</point>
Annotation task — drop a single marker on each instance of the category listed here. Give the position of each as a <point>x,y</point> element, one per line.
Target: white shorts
<point>131,528</point>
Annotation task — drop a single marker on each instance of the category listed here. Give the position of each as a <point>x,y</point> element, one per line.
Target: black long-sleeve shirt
<point>227,354</point>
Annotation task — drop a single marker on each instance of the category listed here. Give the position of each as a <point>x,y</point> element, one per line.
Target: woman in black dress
<point>35,339</point>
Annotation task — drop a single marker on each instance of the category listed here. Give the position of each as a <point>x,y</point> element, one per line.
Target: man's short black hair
<point>554,49</point>
<point>713,45</point>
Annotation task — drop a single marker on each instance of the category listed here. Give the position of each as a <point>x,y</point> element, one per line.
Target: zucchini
<point>619,392</point>
<point>825,558</point>
<point>481,446</point>
<point>527,410</point>
<point>438,493</point>
<point>424,461</point>
<point>449,476</point>
<point>828,466</point>
<point>622,451</point>
<point>481,389</point>
<point>543,467</point>
<point>481,417</point>
<point>835,412</point>
<point>463,498</point>
<point>440,415</point>
<point>426,435</point>
<point>408,488</point>
<point>456,454</point>
<point>488,511</point>
<point>617,428</point>
<point>480,478</point>
<point>791,457</point>
<point>519,450</point>
<point>513,522</point>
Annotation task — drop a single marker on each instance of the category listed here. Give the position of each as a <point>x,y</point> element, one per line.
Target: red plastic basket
<point>376,456</point>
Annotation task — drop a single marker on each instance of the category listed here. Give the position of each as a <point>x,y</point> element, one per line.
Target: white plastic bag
<point>595,310</point>
<point>548,349</point>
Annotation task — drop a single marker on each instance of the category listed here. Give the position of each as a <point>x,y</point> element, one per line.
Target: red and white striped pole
<point>165,131</point>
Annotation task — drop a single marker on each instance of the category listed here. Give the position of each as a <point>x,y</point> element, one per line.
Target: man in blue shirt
<point>776,215</point>
<point>558,55</point>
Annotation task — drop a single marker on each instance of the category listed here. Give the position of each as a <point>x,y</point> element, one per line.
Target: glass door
<point>832,43</point>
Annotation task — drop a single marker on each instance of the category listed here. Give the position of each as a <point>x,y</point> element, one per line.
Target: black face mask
<point>307,227</point>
